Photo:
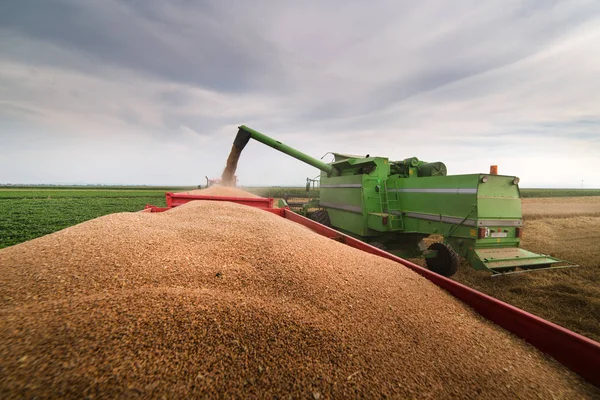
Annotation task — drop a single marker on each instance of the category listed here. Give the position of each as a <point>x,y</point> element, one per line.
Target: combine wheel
<point>380,246</point>
<point>506,269</point>
<point>445,263</point>
<point>322,217</point>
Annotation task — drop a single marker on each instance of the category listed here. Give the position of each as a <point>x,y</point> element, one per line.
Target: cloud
<point>185,44</point>
<point>139,81</point>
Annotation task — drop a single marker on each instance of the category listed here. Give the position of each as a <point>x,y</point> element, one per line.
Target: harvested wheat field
<point>215,299</point>
<point>569,297</point>
<point>560,207</point>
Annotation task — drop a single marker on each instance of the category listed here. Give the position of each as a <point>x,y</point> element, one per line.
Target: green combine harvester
<point>394,205</point>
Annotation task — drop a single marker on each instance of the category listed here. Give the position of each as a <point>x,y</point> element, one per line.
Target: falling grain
<point>228,176</point>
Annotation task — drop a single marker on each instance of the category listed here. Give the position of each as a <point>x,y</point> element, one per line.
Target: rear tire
<point>380,246</point>
<point>445,263</point>
<point>507,269</point>
<point>322,217</point>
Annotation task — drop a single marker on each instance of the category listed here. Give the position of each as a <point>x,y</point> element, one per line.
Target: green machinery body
<point>396,204</point>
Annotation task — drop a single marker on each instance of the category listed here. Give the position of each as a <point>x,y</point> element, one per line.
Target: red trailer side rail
<point>177,199</point>
<point>576,352</point>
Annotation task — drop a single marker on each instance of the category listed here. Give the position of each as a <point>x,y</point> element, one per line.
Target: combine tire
<point>380,246</point>
<point>445,263</point>
<point>506,269</point>
<point>321,217</point>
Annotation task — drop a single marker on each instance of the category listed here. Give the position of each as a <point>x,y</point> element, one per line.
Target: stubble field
<point>567,228</point>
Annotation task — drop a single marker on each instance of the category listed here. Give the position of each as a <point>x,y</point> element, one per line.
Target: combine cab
<point>395,205</point>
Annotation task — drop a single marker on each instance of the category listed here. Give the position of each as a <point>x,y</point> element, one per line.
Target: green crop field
<point>27,213</point>
<point>30,212</point>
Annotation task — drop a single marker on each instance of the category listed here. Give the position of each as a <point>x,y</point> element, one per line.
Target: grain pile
<point>222,191</point>
<point>214,299</point>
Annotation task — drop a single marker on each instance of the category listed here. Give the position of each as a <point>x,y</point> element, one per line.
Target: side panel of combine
<point>353,200</point>
<point>478,215</point>
<point>498,211</point>
<point>499,221</point>
<point>499,226</point>
<point>341,196</point>
<point>498,197</point>
<point>435,205</point>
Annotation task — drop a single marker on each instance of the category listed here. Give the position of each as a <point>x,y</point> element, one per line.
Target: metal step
<point>506,260</point>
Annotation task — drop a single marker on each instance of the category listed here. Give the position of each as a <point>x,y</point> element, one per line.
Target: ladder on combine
<point>387,204</point>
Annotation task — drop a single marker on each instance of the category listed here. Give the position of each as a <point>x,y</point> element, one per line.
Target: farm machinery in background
<point>304,203</point>
<point>394,205</point>
<point>217,181</point>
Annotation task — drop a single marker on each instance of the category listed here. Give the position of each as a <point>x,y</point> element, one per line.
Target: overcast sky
<point>152,91</point>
